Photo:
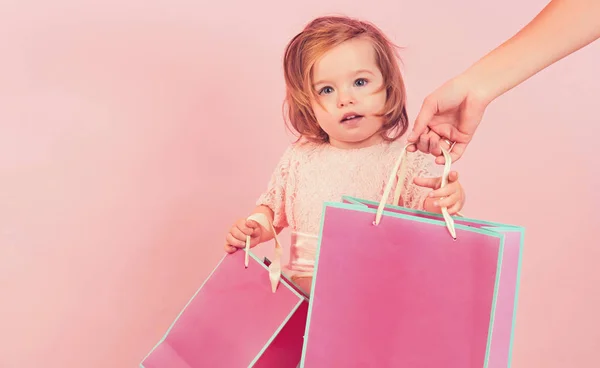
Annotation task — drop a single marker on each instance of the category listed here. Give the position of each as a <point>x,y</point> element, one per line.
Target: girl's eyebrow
<point>359,71</point>
<point>364,71</point>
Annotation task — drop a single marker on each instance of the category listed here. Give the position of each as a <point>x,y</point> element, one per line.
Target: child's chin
<point>362,138</point>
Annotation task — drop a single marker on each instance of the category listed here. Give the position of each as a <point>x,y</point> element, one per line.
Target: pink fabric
<point>507,293</point>
<point>231,320</point>
<point>405,294</point>
<point>309,174</point>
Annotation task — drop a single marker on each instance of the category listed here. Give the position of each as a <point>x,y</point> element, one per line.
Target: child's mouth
<point>350,118</point>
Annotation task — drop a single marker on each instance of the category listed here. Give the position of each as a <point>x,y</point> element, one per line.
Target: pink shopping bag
<point>394,289</point>
<point>507,299</point>
<point>236,320</point>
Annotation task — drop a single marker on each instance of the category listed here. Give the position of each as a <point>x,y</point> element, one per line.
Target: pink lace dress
<point>309,174</point>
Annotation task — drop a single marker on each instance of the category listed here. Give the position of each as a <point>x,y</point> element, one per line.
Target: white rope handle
<point>399,171</point>
<point>275,266</point>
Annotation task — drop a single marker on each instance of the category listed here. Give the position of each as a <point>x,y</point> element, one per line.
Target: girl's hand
<point>452,196</point>
<point>236,238</point>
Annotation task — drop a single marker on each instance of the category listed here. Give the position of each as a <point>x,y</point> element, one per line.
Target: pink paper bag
<point>235,320</point>
<point>507,300</point>
<point>405,294</point>
<point>394,289</point>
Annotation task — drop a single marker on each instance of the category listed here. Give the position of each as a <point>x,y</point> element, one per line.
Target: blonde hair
<point>321,35</point>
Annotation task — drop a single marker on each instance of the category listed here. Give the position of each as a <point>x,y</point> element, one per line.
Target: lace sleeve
<point>275,195</point>
<point>418,164</point>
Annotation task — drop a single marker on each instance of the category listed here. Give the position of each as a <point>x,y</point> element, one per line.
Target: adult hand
<point>454,110</point>
<point>449,117</point>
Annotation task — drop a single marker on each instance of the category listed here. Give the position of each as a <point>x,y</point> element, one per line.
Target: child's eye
<point>360,82</point>
<point>325,90</point>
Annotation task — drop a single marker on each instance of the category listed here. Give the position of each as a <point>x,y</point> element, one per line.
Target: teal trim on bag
<point>359,205</point>
<point>520,230</point>
<point>365,202</point>
<point>517,290</point>
<point>267,344</point>
<point>354,200</point>
<point>494,301</point>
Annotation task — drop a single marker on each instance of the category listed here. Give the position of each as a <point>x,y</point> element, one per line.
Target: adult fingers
<point>428,109</point>
<point>423,142</point>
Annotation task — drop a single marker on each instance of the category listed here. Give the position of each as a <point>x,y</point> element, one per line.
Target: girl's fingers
<point>230,249</point>
<point>245,230</point>
<point>254,242</point>
<point>448,201</point>
<point>251,224</point>
<point>443,192</point>
<point>240,234</point>
<point>427,182</point>
<point>234,241</point>
<point>454,209</point>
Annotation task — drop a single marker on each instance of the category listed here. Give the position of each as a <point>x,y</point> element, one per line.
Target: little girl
<point>346,99</point>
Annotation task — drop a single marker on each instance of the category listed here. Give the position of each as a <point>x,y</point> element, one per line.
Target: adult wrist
<point>480,89</point>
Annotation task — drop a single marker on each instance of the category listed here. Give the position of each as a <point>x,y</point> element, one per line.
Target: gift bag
<point>237,319</point>
<point>393,288</point>
<point>506,303</point>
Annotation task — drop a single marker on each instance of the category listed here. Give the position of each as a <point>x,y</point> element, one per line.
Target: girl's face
<point>348,84</point>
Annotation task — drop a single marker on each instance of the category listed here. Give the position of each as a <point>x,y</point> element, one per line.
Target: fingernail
<point>437,204</point>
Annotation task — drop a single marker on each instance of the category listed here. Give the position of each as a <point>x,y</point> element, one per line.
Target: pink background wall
<point>130,141</point>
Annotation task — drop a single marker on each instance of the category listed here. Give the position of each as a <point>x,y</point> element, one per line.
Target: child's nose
<point>345,100</point>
